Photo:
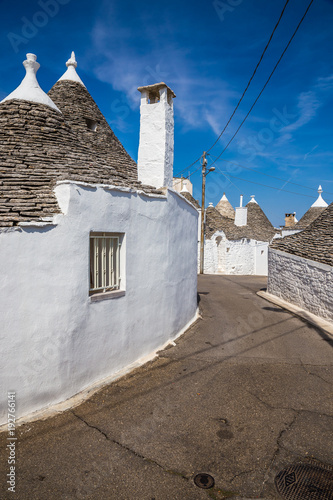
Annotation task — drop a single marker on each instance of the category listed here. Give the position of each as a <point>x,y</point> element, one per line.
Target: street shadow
<point>274,309</point>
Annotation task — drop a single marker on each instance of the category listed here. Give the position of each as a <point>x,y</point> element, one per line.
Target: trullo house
<point>98,255</point>
<point>300,267</point>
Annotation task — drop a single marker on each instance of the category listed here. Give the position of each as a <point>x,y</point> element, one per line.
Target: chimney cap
<point>156,87</point>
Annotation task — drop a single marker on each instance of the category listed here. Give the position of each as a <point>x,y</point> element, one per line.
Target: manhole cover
<point>204,481</point>
<point>305,482</point>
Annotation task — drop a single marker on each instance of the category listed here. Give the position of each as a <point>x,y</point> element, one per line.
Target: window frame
<point>105,259</point>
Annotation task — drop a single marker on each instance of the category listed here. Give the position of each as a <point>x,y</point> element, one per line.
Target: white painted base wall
<point>239,257</point>
<point>55,340</point>
<point>302,282</point>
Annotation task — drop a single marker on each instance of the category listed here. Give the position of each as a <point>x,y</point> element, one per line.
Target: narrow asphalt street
<point>245,392</point>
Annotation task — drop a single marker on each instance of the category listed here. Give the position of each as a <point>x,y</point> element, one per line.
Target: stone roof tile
<point>83,115</point>
<point>309,217</point>
<point>190,198</point>
<point>225,208</point>
<point>40,147</point>
<point>313,243</point>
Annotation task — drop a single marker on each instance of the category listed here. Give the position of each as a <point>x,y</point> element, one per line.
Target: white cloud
<point>308,103</point>
<point>201,101</point>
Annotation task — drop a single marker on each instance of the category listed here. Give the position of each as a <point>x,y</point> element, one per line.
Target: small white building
<point>236,241</point>
<point>98,269</point>
<point>300,267</point>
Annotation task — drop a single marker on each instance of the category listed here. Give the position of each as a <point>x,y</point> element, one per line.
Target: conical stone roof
<point>86,120</point>
<point>225,208</point>
<point>258,226</point>
<point>313,243</point>
<point>40,146</point>
<point>314,211</point>
<point>258,221</point>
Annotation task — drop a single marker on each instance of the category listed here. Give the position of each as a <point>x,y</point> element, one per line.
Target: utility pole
<point>202,238</point>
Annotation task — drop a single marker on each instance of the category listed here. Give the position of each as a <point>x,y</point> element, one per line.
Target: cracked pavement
<point>245,392</point>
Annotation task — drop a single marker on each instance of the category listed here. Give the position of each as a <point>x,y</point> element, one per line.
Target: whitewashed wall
<point>55,341</point>
<point>302,282</point>
<point>240,257</point>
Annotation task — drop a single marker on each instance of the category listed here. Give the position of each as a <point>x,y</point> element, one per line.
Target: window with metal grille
<point>105,262</point>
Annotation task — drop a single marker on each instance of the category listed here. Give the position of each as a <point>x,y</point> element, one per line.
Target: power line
<point>267,81</point>
<point>268,175</point>
<point>189,175</point>
<point>246,89</point>
<point>265,185</point>
<point>187,168</point>
<point>252,76</point>
<point>230,180</point>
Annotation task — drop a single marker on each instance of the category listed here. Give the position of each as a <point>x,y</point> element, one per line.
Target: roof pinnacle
<point>319,201</point>
<point>252,199</point>
<point>72,61</point>
<point>184,189</point>
<point>29,89</point>
<point>71,73</point>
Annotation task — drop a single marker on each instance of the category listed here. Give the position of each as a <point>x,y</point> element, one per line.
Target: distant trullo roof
<point>258,226</point>
<point>185,192</point>
<point>315,242</point>
<point>225,208</point>
<point>40,146</point>
<point>314,211</point>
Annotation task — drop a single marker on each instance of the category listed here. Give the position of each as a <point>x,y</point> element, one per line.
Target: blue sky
<point>206,52</point>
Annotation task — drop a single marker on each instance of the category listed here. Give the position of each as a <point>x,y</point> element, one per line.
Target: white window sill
<point>113,294</point>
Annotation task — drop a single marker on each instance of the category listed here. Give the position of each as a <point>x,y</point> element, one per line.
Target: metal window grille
<point>104,263</point>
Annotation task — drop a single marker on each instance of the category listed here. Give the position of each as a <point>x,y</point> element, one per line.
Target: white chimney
<point>241,214</point>
<point>155,157</point>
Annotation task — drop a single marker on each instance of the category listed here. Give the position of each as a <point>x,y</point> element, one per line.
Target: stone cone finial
<point>252,199</point>
<point>31,66</point>
<point>320,202</point>
<point>29,89</point>
<point>72,61</point>
<point>71,73</point>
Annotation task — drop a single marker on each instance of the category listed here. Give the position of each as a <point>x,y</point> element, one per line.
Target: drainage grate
<point>204,481</point>
<point>305,482</point>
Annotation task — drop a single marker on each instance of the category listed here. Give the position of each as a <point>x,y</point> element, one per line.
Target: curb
<point>317,321</point>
